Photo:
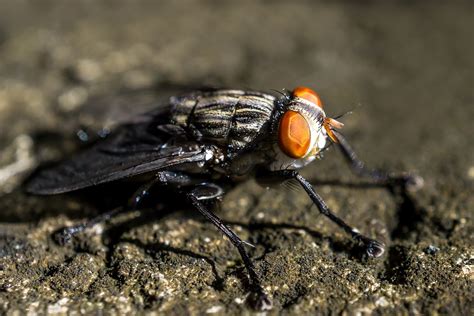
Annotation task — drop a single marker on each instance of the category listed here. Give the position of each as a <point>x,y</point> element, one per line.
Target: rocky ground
<point>406,72</point>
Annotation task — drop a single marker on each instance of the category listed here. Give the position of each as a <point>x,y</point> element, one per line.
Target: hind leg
<point>65,235</point>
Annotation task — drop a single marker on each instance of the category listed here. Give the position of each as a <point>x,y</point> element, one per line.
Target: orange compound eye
<point>308,95</point>
<point>294,135</point>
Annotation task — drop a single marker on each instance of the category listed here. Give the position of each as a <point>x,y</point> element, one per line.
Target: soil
<point>404,70</point>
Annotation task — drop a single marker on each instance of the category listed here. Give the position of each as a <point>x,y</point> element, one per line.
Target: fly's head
<point>303,130</point>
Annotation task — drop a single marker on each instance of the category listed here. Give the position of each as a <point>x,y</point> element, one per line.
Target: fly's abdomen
<point>233,118</point>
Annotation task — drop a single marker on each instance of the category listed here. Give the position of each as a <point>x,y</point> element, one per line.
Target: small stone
<point>214,309</point>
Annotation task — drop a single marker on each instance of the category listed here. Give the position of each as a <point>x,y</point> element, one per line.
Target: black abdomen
<point>233,118</point>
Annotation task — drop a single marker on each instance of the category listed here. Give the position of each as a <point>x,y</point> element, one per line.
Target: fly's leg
<point>258,298</point>
<point>359,168</point>
<point>66,234</point>
<point>373,247</point>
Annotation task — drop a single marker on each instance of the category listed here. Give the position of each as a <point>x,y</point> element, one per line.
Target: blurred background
<point>405,70</point>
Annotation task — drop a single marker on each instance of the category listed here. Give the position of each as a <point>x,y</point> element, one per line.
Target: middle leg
<point>258,298</point>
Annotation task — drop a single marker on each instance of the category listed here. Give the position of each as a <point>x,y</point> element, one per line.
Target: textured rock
<point>406,72</point>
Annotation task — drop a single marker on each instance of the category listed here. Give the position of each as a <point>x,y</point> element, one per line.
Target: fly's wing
<point>133,149</point>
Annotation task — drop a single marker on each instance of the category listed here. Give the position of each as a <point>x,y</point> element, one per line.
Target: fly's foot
<point>259,301</point>
<point>413,182</point>
<point>409,181</point>
<point>65,235</point>
<point>62,236</point>
<point>374,248</point>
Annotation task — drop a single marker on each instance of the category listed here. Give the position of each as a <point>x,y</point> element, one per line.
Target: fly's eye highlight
<point>309,95</point>
<point>294,135</point>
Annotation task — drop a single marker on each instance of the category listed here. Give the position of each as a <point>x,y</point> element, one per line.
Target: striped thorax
<point>232,118</point>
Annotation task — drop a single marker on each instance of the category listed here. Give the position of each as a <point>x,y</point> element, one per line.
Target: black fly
<point>199,141</point>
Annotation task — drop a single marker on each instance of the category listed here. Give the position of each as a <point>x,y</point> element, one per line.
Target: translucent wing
<point>143,146</point>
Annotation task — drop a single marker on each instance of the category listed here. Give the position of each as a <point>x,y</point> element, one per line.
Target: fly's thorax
<point>233,119</point>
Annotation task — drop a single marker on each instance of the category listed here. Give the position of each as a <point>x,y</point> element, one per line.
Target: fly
<point>200,141</point>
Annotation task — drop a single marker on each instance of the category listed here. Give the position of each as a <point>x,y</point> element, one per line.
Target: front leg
<point>373,247</point>
<point>382,177</point>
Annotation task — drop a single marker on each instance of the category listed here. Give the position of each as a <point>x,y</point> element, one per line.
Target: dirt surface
<point>405,70</point>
